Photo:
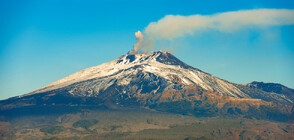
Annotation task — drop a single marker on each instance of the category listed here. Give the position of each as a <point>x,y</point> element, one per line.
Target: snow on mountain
<point>150,62</point>
<point>153,72</point>
<point>157,81</point>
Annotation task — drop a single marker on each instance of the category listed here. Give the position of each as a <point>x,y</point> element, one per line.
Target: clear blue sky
<point>45,40</point>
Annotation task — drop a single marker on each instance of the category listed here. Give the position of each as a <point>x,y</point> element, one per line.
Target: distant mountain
<point>159,81</point>
<point>273,87</point>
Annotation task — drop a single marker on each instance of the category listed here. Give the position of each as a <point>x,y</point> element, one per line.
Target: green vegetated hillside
<point>141,124</point>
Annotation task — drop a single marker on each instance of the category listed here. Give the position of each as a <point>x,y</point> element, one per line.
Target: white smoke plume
<point>172,26</point>
<point>140,37</point>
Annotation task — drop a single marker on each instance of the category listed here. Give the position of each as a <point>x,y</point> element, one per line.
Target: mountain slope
<point>152,72</point>
<point>156,80</point>
<point>160,64</point>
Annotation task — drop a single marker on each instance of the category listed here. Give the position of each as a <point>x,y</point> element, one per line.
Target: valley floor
<point>140,124</point>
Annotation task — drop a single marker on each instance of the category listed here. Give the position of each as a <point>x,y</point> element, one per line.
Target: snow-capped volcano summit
<point>157,81</point>
<point>152,72</point>
<point>161,64</point>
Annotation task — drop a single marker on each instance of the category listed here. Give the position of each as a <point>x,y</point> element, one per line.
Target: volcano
<point>155,81</point>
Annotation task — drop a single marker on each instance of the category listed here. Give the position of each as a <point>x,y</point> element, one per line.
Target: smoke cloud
<point>172,26</point>
<point>140,37</point>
